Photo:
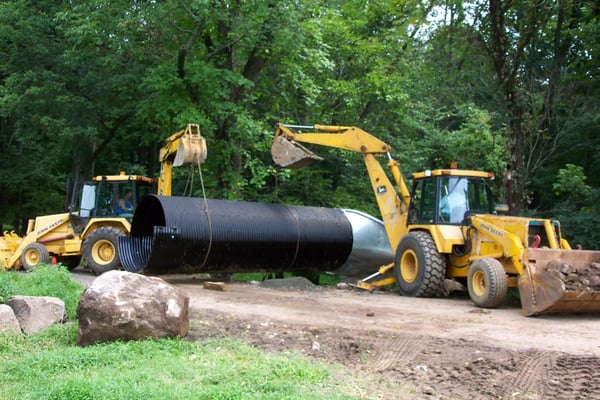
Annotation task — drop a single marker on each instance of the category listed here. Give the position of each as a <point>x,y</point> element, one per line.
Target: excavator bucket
<point>289,154</point>
<point>560,281</point>
<point>191,150</point>
<point>8,244</point>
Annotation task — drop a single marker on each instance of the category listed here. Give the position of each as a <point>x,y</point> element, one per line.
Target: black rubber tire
<point>71,262</point>
<point>100,250</point>
<point>419,268</point>
<point>33,255</point>
<point>487,283</point>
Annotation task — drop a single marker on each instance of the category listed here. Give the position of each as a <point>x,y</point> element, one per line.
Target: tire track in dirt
<point>531,375</point>
<point>397,352</point>
<point>572,377</point>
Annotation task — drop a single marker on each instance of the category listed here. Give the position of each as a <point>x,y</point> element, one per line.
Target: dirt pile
<point>581,277</point>
<point>295,283</point>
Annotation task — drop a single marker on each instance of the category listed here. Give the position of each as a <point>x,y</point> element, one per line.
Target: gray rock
<point>452,287</point>
<point>121,305</point>
<point>294,283</point>
<point>8,321</point>
<point>37,313</point>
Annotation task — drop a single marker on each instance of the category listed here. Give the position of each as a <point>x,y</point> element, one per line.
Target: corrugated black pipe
<point>191,235</point>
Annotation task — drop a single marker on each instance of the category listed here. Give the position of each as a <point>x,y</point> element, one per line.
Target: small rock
<point>421,368</point>
<point>37,313</point>
<point>8,321</point>
<point>565,269</point>
<point>453,287</point>
<point>342,286</point>
<point>428,391</point>
<point>316,346</point>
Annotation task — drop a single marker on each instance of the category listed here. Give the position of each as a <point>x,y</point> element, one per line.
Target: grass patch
<point>45,280</point>
<point>48,366</point>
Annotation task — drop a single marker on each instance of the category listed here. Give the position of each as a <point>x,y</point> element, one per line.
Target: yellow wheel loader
<point>447,226</point>
<point>91,228</point>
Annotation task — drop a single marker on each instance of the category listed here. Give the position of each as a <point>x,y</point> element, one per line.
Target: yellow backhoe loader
<point>447,226</point>
<point>89,230</point>
<point>94,221</point>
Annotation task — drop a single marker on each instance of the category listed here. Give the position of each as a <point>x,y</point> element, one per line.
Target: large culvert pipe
<point>191,235</point>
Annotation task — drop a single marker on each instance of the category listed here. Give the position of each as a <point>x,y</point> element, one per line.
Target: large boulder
<point>121,305</point>
<point>8,321</point>
<point>37,313</point>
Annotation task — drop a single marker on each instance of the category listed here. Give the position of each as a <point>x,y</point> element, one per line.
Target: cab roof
<point>452,172</point>
<point>123,178</point>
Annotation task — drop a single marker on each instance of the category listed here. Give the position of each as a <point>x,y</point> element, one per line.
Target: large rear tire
<point>33,255</point>
<point>100,250</point>
<point>487,283</point>
<point>419,268</point>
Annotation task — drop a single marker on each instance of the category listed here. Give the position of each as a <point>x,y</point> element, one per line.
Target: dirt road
<point>438,348</point>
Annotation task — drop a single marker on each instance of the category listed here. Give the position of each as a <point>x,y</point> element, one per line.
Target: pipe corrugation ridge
<point>133,252</point>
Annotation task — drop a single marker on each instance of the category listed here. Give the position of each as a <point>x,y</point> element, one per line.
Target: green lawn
<point>49,365</point>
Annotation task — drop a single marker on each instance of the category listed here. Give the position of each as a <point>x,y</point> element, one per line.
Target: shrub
<point>45,280</point>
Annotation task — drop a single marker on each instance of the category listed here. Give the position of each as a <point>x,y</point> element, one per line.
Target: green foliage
<point>101,85</point>
<point>577,207</point>
<point>45,280</point>
<point>6,289</point>
<point>579,226</point>
<point>570,182</point>
<point>48,368</point>
<point>466,136</point>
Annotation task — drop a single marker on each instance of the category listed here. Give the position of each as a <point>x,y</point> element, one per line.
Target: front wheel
<point>100,250</point>
<point>33,255</point>
<point>487,283</point>
<point>419,268</point>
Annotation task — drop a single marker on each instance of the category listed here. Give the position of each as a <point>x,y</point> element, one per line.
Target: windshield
<point>461,194</point>
<point>446,199</point>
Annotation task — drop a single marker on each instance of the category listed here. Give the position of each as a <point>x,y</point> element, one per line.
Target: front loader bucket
<point>560,281</point>
<point>8,244</point>
<point>288,154</point>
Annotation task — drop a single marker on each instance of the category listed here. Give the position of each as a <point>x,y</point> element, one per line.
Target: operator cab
<point>100,198</point>
<point>445,196</point>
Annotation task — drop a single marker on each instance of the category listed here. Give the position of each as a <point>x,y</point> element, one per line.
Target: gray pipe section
<point>370,246</point>
<point>191,235</point>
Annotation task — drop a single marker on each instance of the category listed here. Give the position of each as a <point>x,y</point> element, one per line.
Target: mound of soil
<point>294,283</point>
<point>581,277</point>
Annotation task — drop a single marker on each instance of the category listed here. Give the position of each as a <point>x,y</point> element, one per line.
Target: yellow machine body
<point>90,231</point>
<point>473,244</point>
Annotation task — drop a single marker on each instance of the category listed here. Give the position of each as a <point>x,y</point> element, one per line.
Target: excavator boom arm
<point>342,137</point>
<point>394,209</point>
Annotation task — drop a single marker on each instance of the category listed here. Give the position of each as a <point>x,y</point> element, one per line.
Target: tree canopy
<point>94,87</point>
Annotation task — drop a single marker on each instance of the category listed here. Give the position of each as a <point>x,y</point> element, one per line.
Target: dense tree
<point>90,87</point>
